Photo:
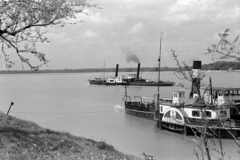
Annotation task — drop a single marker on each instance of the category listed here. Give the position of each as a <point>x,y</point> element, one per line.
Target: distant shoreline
<point>87,70</point>
<point>212,67</point>
<point>95,70</point>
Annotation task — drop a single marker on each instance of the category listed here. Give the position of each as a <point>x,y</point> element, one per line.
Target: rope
<point>169,54</point>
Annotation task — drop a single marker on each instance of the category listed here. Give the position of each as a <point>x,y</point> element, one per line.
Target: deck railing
<point>140,106</point>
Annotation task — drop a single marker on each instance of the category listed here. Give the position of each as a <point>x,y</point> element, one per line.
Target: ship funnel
<point>116,72</point>
<point>196,82</point>
<point>138,70</point>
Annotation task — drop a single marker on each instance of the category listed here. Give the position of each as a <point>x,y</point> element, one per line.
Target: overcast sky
<point>124,28</point>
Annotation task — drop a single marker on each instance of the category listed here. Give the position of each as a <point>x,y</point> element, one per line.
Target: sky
<point>124,30</point>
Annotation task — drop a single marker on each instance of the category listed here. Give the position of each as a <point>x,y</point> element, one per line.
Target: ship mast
<point>159,64</point>
<point>104,68</point>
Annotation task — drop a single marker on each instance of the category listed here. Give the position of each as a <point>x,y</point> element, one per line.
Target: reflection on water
<point>66,102</point>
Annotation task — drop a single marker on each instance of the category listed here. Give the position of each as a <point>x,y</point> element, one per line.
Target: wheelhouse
<point>224,93</point>
<point>225,96</point>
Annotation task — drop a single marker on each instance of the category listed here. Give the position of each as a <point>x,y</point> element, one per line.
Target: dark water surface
<point>66,102</point>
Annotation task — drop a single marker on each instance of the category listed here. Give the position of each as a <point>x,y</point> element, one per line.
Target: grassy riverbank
<point>24,140</point>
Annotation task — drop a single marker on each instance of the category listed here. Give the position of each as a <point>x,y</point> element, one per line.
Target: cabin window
<point>180,94</point>
<point>219,93</point>
<point>232,93</point>
<point>175,95</point>
<point>161,108</point>
<point>237,92</point>
<point>234,111</point>
<point>227,93</point>
<point>223,113</point>
<point>195,113</point>
<point>167,114</point>
<point>178,116</point>
<point>207,113</point>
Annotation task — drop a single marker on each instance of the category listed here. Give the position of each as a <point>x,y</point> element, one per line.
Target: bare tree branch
<point>23,24</point>
<point>225,49</point>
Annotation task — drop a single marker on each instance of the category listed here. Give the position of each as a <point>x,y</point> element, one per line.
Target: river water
<point>66,102</point>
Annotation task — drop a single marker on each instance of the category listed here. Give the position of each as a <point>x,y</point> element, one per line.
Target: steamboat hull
<point>106,83</point>
<point>151,84</point>
<point>217,114</point>
<point>191,126</point>
<point>131,83</point>
<point>188,125</point>
<point>142,114</point>
<point>189,129</point>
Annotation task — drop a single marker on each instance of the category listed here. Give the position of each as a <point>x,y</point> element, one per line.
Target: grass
<point>25,140</point>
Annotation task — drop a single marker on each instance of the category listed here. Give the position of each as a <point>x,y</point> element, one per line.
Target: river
<point>66,102</point>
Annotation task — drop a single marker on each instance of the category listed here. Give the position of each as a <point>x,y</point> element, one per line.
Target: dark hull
<point>105,83</point>
<point>187,129</point>
<point>141,114</point>
<point>190,129</point>
<point>151,116</point>
<point>131,83</point>
<point>151,84</point>
<point>172,127</point>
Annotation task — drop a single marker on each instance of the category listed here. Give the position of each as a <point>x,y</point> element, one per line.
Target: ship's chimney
<point>116,72</point>
<point>138,70</point>
<point>197,66</point>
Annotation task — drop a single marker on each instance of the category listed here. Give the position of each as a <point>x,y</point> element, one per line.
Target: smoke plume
<point>132,58</point>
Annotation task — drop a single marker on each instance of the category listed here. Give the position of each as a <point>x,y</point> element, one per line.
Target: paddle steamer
<point>220,110</point>
<point>129,80</point>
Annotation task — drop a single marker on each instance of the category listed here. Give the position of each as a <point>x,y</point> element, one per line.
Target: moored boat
<point>219,112</point>
<point>143,107</point>
<point>182,114</point>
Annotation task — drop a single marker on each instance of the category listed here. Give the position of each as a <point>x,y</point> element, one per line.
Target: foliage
<point>225,49</point>
<point>23,24</point>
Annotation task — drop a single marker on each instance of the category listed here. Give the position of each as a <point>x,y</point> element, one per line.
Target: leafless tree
<point>185,73</point>
<point>206,139</point>
<point>225,49</point>
<point>23,24</point>
<point>203,138</point>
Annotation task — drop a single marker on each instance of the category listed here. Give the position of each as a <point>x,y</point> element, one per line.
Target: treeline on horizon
<point>219,65</point>
<point>222,65</point>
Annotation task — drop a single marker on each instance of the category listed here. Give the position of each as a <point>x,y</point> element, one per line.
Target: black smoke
<point>131,57</point>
